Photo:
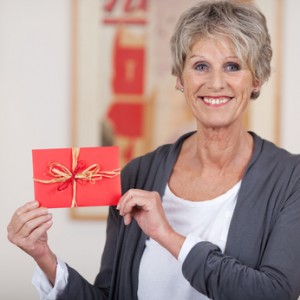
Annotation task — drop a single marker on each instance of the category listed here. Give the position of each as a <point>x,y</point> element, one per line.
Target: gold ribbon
<point>62,174</point>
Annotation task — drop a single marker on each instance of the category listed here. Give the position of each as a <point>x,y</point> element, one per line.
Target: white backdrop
<point>35,113</point>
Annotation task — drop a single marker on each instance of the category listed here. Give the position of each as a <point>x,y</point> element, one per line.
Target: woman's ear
<point>256,90</point>
<point>257,85</point>
<point>179,85</point>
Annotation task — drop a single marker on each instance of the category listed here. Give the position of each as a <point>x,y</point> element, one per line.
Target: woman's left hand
<point>146,208</point>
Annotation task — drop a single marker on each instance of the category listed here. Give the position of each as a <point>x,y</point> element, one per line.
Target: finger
<point>23,215</point>
<point>124,198</point>
<point>28,228</point>
<point>129,196</point>
<point>26,207</point>
<point>29,243</point>
<point>127,219</point>
<point>144,200</point>
<point>33,224</point>
<point>40,230</point>
<point>127,205</point>
<point>23,210</point>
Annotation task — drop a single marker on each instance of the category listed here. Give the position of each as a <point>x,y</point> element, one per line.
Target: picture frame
<point>93,213</point>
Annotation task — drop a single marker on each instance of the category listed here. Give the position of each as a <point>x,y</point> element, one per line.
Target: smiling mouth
<point>216,101</point>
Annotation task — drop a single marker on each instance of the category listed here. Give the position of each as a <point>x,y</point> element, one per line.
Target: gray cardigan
<point>262,255</point>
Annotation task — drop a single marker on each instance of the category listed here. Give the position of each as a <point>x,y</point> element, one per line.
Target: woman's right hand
<point>28,230</point>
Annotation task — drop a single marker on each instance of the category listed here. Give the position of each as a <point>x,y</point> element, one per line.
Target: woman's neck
<point>220,149</point>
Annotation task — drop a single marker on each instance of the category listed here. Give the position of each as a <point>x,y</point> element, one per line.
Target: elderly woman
<point>216,215</point>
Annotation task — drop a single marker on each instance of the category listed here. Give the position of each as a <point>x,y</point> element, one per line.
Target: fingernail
<point>35,204</point>
<point>50,222</point>
<point>44,210</point>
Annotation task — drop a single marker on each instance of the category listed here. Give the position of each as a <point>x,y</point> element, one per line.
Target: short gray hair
<point>242,23</point>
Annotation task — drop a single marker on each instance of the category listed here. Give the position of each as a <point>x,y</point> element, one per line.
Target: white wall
<point>34,113</point>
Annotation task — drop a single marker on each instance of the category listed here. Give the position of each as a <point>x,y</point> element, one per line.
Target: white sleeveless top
<point>160,275</point>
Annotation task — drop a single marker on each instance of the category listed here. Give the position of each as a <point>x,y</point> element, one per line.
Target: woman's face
<point>217,84</point>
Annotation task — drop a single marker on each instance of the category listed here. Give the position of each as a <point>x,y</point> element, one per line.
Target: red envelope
<point>94,180</point>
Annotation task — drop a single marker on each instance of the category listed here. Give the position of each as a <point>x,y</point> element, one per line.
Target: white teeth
<point>215,101</point>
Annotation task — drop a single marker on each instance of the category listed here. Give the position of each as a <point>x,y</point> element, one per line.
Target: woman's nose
<point>216,80</point>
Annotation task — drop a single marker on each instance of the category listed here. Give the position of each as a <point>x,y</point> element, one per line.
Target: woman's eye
<point>201,67</point>
<point>232,67</point>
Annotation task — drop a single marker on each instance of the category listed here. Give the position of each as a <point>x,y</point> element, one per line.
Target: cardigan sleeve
<point>276,276</point>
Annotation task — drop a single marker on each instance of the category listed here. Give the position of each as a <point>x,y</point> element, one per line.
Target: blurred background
<point>59,87</point>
